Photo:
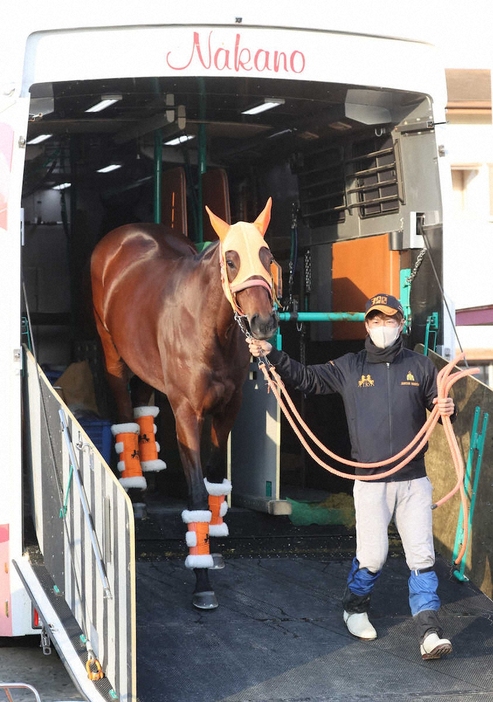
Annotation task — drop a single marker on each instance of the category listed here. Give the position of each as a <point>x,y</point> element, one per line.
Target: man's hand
<point>446,406</point>
<point>258,348</point>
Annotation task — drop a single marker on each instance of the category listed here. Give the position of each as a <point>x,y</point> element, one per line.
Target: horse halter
<point>247,240</point>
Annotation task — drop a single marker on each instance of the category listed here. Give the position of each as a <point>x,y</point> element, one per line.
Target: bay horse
<point>168,315</point>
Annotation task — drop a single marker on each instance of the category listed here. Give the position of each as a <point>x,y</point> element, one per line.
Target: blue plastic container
<point>99,431</point>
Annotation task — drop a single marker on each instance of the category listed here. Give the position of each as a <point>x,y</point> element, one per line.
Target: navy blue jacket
<point>385,403</point>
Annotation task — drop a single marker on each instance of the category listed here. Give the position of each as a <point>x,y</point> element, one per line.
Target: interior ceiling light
<point>108,169</point>
<point>281,133</point>
<point>62,186</point>
<point>179,140</point>
<point>267,104</point>
<point>106,101</point>
<point>309,136</point>
<point>40,138</point>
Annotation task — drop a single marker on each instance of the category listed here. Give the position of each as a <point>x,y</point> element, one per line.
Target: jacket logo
<point>410,380</point>
<point>366,381</point>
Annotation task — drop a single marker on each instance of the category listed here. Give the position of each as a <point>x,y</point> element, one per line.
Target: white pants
<point>409,503</point>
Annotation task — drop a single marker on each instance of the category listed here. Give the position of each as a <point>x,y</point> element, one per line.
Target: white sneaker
<point>359,625</point>
<point>435,647</point>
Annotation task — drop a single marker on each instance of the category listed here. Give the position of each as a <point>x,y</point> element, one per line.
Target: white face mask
<point>384,336</point>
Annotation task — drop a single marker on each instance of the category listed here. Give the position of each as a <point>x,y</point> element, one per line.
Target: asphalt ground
<point>22,661</point>
<point>278,634</point>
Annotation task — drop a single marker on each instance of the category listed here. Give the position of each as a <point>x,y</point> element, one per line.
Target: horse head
<point>250,276</point>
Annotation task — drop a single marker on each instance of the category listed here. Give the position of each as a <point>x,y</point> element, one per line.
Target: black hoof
<point>205,600</point>
<point>218,561</point>
<point>140,510</point>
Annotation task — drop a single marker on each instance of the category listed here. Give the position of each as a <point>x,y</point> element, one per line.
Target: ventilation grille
<point>373,171</point>
<point>362,176</point>
<point>322,187</point>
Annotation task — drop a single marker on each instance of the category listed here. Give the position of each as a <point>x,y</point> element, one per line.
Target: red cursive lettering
<point>242,64</point>
<point>238,58</point>
<point>221,59</point>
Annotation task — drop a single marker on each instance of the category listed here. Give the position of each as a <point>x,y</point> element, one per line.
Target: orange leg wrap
<point>148,446</point>
<point>130,454</point>
<point>218,506</point>
<point>201,530</point>
<point>197,538</point>
<point>147,439</point>
<point>215,502</point>
<point>127,446</point>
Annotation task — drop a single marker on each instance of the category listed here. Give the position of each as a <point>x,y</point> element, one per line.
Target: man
<point>386,390</point>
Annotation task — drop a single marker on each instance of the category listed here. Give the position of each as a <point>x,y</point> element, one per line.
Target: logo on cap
<point>388,304</point>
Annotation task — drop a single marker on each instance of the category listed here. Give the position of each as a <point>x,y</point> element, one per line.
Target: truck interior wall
<point>47,249</point>
<point>308,173</point>
<point>361,268</point>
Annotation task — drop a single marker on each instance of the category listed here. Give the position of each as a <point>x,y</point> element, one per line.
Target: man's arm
<point>320,379</point>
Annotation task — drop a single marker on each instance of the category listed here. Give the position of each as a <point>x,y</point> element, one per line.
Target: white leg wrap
<point>146,412</point>
<point>153,466</point>
<point>199,561</point>
<point>218,530</point>
<point>127,428</point>
<point>223,488</point>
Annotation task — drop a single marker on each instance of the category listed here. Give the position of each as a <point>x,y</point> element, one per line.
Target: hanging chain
<point>239,319</point>
<point>290,304</point>
<point>308,272</point>
<point>421,255</point>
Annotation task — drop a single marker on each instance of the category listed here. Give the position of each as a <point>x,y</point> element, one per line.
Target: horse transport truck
<point>148,112</point>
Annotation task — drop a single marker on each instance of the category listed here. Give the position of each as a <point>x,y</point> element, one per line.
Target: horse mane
<point>208,251</point>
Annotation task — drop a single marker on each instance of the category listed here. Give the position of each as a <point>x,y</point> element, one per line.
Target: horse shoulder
<point>142,241</point>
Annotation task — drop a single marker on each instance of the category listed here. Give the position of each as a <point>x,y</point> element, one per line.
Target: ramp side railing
<point>84,526</point>
<point>8,687</point>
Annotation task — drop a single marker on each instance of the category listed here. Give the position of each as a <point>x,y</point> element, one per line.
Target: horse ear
<point>262,221</point>
<point>219,225</point>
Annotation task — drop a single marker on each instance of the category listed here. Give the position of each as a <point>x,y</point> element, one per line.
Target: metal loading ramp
<point>278,634</point>
<point>79,568</point>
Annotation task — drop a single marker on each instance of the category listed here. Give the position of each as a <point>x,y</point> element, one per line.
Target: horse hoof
<point>218,561</point>
<point>140,510</point>
<point>205,600</point>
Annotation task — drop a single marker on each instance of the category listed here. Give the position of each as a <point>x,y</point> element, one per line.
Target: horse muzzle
<point>263,328</point>
<point>258,307</point>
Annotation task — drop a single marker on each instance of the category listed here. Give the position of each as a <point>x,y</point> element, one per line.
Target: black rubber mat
<point>278,634</point>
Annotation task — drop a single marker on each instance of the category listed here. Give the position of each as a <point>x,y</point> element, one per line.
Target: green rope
<point>63,510</point>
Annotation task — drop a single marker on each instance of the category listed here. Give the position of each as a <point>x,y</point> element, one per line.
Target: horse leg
<point>144,414</point>
<point>126,431</point>
<point>117,374</point>
<point>140,392</point>
<point>197,516</point>
<point>217,485</point>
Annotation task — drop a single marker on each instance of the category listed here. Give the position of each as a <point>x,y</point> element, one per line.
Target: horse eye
<point>230,263</point>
